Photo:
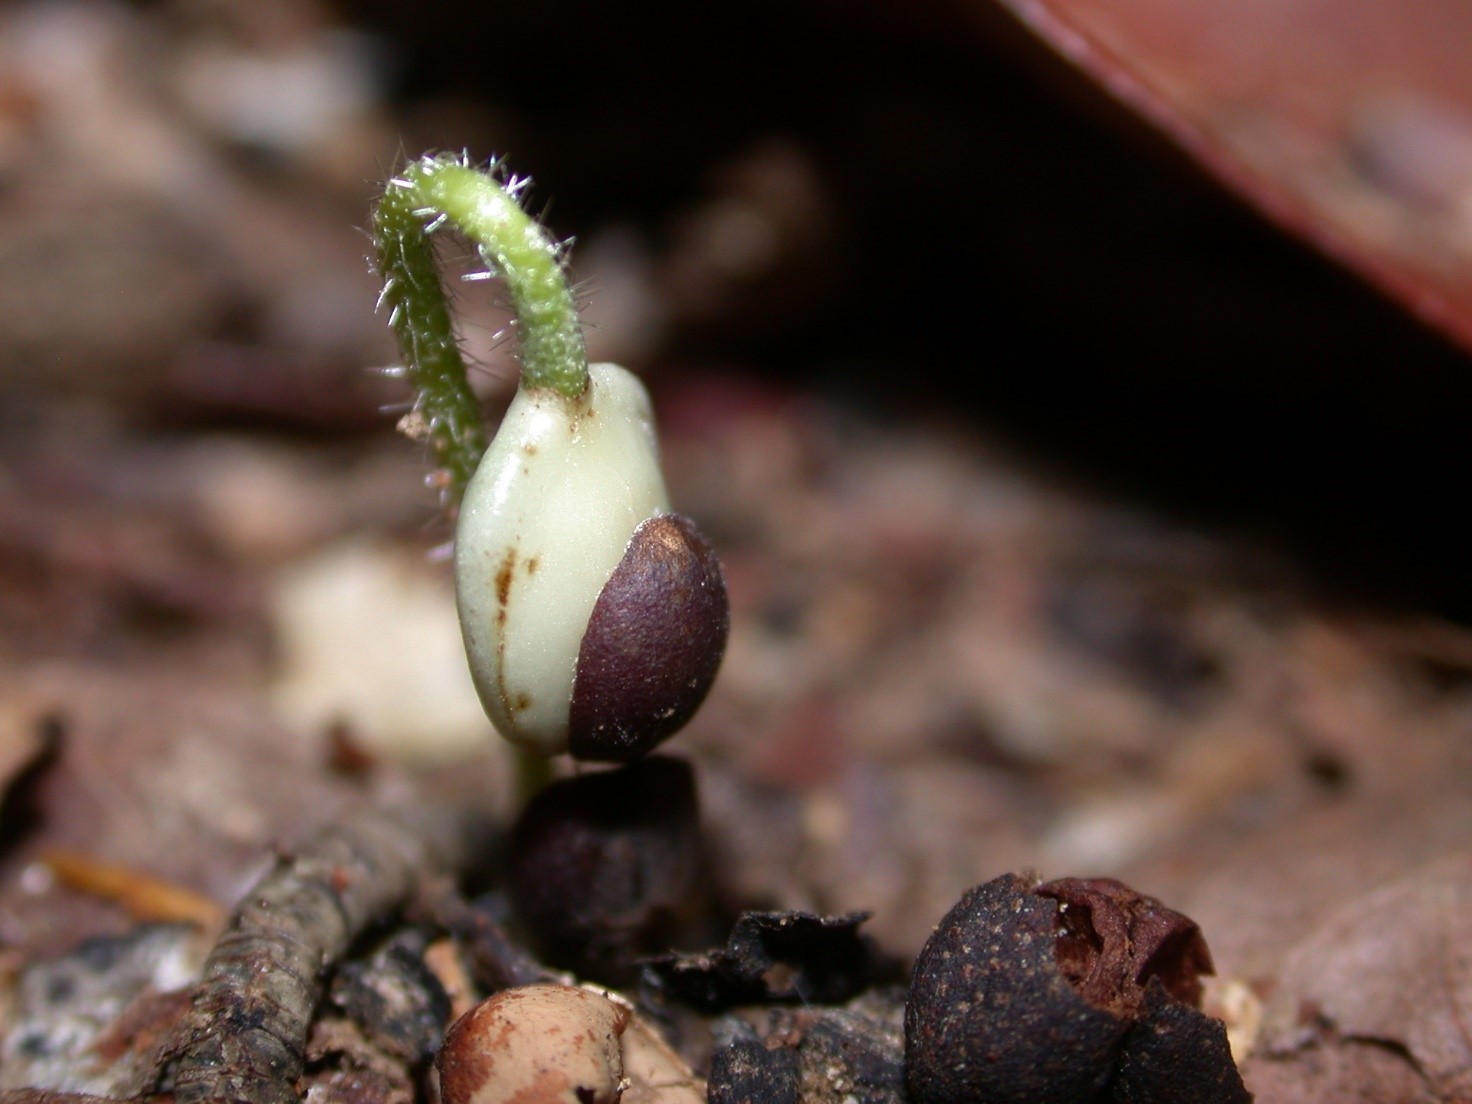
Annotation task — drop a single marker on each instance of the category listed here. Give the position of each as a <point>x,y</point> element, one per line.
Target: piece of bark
<point>244,1039</point>
<point>493,959</point>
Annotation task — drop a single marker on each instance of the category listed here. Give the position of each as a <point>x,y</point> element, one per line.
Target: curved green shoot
<point>444,190</point>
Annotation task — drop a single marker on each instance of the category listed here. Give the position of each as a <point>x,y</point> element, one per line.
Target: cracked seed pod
<point>1078,991</point>
<point>594,619</point>
<point>536,1044</point>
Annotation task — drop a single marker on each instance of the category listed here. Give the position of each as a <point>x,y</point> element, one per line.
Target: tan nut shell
<point>537,1044</point>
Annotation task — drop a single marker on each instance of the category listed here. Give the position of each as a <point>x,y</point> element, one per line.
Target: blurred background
<point>837,194</point>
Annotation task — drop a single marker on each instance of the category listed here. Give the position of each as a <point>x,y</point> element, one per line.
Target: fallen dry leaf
<point>1392,969</point>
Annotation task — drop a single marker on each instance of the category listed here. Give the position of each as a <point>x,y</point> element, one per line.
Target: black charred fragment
<point>653,643</point>
<point>745,1070</point>
<point>1075,992</point>
<point>771,958</point>
<point>396,999</point>
<point>600,863</point>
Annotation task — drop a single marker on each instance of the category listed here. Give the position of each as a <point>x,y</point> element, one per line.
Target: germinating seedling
<point>594,619</point>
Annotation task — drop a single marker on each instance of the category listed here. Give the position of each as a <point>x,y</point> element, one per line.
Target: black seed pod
<point>1075,992</point>
<point>652,646</point>
<point>597,863</point>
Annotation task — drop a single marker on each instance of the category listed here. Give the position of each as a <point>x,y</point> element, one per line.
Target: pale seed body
<point>544,522</point>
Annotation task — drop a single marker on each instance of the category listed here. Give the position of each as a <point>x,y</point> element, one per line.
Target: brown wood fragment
<point>144,896</point>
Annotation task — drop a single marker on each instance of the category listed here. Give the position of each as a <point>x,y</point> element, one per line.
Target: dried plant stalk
<point>244,1037</point>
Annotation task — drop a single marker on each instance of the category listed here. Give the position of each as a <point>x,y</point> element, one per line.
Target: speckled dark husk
<point>652,646</point>
<point>990,1017</point>
<point>1177,1055</point>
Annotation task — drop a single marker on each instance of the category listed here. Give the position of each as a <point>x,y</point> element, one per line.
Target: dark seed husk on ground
<point>598,863</point>
<point>991,1018</point>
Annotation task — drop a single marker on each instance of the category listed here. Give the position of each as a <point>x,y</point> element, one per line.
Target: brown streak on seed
<point>503,577</point>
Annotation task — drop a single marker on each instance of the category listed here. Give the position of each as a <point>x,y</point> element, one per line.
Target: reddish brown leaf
<point>1348,124</point>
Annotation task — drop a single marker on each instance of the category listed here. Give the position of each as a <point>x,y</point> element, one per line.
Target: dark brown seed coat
<point>653,644</point>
